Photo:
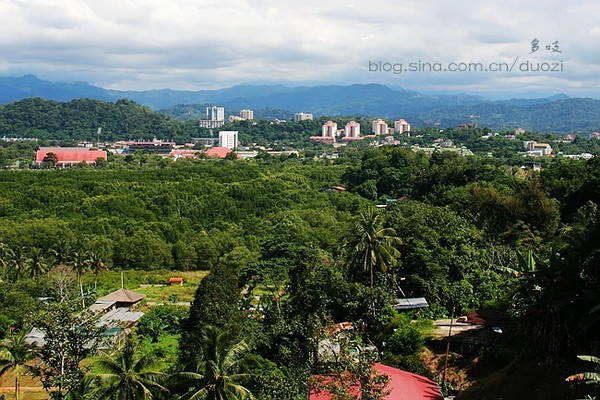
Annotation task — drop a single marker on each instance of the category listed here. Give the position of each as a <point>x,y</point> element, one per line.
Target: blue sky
<point>183,44</point>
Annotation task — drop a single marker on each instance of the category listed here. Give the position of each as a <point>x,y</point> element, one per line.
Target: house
<point>122,298</point>
<point>176,281</point>
<point>402,385</point>
<point>68,156</point>
<point>116,319</point>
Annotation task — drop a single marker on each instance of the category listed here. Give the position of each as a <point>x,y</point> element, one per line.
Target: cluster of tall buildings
<point>351,131</point>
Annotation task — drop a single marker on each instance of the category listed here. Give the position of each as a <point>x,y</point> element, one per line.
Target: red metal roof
<point>220,152</point>
<point>402,385</point>
<point>70,155</point>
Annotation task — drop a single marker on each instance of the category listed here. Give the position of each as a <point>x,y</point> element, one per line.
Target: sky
<point>209,44</point>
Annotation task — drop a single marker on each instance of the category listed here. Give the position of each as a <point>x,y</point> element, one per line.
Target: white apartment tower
<point>247,114</point>
<point>215,113</point>
<point>379,127</point>
<point>352,129</point>
<point>228,139</point>
<point>329,129</point>
<point>301,116</point>
<point>401,126</point>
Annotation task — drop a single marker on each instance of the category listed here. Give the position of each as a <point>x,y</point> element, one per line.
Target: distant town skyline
<point>552,46</point>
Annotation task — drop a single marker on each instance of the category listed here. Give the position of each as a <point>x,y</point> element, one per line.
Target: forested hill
<point>80,119</point>
<point>569,116</point>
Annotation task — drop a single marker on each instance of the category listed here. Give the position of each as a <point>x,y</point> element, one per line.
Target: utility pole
<point>447,349</point>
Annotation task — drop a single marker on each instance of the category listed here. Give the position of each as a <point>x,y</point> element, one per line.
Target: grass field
<point>154,284</point>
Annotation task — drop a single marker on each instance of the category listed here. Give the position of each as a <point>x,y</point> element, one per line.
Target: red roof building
<point>69,156</point>
<point>402,386</point>
<point>219,152</point>
<point>176,281</point>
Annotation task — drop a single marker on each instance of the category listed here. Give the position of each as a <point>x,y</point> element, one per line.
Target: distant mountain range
<point>557,113</point>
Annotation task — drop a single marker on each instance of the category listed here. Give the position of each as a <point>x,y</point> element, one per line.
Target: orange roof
<point>70,155</point>
<point>175,279</point>
<point>219,152</point>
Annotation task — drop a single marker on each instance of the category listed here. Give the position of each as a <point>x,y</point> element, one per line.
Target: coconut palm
<point>81,262</point>
<point>60,253</point>
<point>3,260</point>
<point>14,354</point>
<point>218,373</point>
<point>37,264</point>
<point>371,245</point>
<point>130,375</point>
<point>97,265</point>
<point>17,261</point>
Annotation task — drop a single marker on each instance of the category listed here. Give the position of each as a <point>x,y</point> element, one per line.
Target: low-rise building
<point>68,156</point>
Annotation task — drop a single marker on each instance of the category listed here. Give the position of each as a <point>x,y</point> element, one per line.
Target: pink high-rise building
<point>379,127</point>
<point>329,129</point>
<point>352,129</point>
<point>401,126</point>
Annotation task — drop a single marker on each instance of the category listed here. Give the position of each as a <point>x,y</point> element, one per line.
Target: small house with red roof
<point>176,281</point>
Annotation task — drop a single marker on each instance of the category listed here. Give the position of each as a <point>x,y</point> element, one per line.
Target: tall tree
<point>371,245</point>
<point>219,371</point>
<point>69,337</point>
<point>130,375</point>
<point>81,262</point>
<point>37,263</point>
<point>14,354</point>
<point>17,261</point>
<point>97,265</point>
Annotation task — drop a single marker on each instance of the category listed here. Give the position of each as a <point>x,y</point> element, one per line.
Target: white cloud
<point>186,44</point>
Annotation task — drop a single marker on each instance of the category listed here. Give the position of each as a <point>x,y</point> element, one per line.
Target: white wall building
<point>215,113</point>
<point>352,129</point>
<point>247,114</point>
<point>379,127</point>
<point>401,126</point>
<point>301,116</point>
<point>329,129</point>
<point>228,139</point>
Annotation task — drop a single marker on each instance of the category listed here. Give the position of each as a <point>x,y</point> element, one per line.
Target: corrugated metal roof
<point>411,303</point>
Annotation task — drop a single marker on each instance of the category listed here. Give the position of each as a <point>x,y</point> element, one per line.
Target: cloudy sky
<point>192,44</point>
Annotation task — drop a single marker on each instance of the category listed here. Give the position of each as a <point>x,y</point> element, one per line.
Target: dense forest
<point>467,233</point>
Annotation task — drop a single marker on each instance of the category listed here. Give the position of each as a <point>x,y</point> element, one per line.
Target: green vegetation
<point>271,257</point>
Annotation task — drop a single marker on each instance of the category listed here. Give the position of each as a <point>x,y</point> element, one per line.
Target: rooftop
<point>122,296</point>
<point>402,385</point>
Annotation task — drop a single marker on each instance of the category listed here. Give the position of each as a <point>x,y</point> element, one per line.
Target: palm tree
<point>14,354</point>
<point>37,264</point>
<point>218,373</point>
<point>97,265</point>
<point>129,375</point>
<point>588,377</point>
<point>61,253</point>
<point>3,259</point>
<point>17,261</point>
<point>81,262</point>
<point>371,245</point>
